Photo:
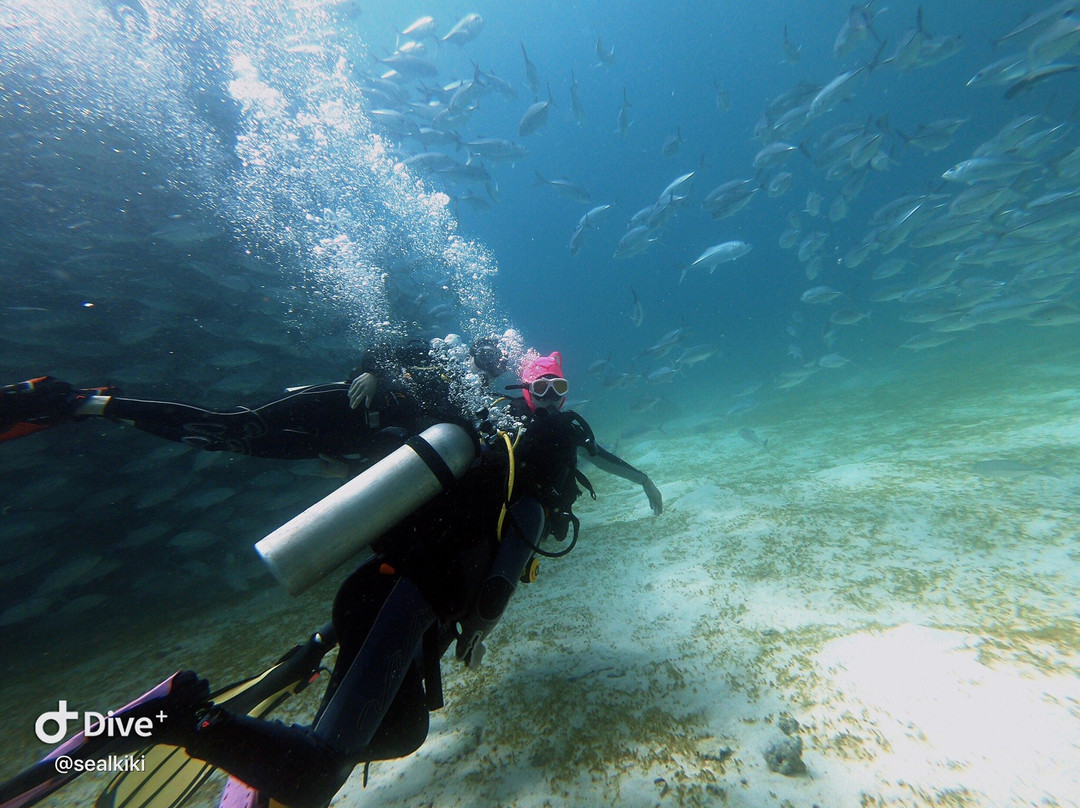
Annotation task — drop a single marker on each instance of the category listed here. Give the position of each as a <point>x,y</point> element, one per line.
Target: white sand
<point>914,612</point>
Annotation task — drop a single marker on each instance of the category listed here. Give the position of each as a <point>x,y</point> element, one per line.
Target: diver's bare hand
<point>362,390</point>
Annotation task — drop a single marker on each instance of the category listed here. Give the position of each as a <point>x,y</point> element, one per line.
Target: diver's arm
<point>606,461</point>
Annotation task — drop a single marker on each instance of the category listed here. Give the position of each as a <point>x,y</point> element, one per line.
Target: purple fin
<point>238,794</point>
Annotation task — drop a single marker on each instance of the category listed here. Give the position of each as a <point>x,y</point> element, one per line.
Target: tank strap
<point>433,460</point>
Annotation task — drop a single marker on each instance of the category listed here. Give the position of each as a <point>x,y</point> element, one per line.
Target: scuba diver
<point>397,392</point>
<point>442,575</point>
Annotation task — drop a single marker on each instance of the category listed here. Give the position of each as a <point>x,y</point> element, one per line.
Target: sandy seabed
<point>898,572</point>
<point>895,576</point>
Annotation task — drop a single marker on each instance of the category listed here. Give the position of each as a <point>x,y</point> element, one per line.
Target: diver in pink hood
<point>558,436</point>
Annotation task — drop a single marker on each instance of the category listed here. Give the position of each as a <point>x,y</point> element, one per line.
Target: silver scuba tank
<point>337,527</point>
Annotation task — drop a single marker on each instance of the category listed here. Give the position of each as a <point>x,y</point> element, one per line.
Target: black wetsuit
<point>304,423</point>
<point>398,613</point>
<point>308,422</point>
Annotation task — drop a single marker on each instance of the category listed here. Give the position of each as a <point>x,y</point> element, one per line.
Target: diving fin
<point>37,404</point>
<point>238,794</point>
<point>21,430</point>
<point>171,776</point>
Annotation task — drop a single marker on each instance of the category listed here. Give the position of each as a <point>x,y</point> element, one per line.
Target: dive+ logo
<point>93,724</point>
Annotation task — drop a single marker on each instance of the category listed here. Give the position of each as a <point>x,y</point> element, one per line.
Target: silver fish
<point>474,200</point>
<point>645,404</point>
<point>566,189</point>
<point>1003,71</point>
<point>729,198</point>
<point>576,239</point>
<point>665,344</point>
<point>1057,40</point>
<point>575,102</point>
<point>408,65</point>
<point>832,360</point>
<point>893,266</point>
<point>1055,314</point>
<point>672,144</point>
<point>637,314</point>
<point>1034,24</point>
<point>532,76</point>
<point>535,116</point>
<point>839,89</point>
<point>793,378</point>
<point>466,172</point>
<point>792,52</point>
<point>723,100</point>
<point>436,137</point>
<point>661,375</point>
<point>604,54</point>
<point>847,316</point>
<point>599,366</point>
<point>591,218</point>
<point>1035,75</point>
<point>635,241</point>
<point>856,29</point>
<point>497,149</point>
<point>423,27</point>
<point>921,342</point>
<point>624,115</point>
<point>986,169</point>
<point>820,294</point>
<point>698,353</point>
<point>751,436</point>
<point>431,161</point>
<point>678,189</point>
<point>499,85</point>
<point>719,254</point>
<point>934,136</point>
<point>745,405</point>
<point>838,209</point>
<point>465,30</point>
<point>779,184</point>
<point>774,154</point>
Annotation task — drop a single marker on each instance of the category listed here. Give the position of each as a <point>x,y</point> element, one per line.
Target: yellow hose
<point>509,480</point>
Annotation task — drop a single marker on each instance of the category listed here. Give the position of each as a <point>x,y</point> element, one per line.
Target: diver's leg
<point>286,762</point>
<point>392,648</point>
<point>213,430</point>
<point>301,424</point>
<point>304,767</point>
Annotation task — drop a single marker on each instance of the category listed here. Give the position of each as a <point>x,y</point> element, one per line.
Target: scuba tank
<point>311,545</point>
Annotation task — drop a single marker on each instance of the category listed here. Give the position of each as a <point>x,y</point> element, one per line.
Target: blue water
<point>197,204</point>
